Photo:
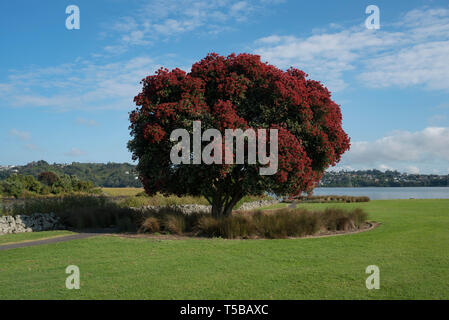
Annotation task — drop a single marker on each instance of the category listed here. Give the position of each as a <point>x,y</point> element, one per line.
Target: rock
<point>25,223</point>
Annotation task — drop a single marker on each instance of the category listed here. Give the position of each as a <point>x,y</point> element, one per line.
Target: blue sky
<point>65,94</point>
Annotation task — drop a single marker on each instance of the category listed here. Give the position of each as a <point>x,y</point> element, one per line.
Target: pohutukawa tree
<point>235,92</point>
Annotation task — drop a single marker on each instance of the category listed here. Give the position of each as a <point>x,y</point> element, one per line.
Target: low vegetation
<point>97,212</point>
<point>94,212</point>
<point>116,175</point>
<point>121,192</point>
<point>281,223</point>
<point>141,199</point>
<point>48,183</point>
<point>79,211</point>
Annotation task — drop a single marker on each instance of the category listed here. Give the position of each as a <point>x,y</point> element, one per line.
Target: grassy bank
<point>410,248</point>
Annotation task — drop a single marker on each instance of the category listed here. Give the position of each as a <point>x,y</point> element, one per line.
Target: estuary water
<point>383,193</point>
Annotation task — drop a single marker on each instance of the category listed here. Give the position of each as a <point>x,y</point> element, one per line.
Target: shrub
<point>126,224</point>
<point>209,226</point>
<point>48,178</point>
<point>151,225</point>
<point>280,223</point>
<point>3,210</point>
<point>18,185</point>
<point>175,224</point>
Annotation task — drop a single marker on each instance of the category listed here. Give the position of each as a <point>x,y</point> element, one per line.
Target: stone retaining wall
<point>24,223</point>
<point>198,208</point>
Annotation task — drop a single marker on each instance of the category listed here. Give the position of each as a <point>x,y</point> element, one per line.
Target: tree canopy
<point>235,92</point>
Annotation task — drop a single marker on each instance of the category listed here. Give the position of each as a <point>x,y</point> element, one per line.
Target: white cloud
<point>79,85</point>
<point>413,169</point>
<point>404,150</point>
<point>424,64</point>
<point>161,19</point>
<point>413,51</point>
<point>324,56</point>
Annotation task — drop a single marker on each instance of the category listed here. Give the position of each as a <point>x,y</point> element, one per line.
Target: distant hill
<point>377,178</point>
<point>113,175</point>
<point>117,175</point>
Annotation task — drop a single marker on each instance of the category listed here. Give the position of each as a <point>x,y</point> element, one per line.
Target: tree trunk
<point>222,206</point>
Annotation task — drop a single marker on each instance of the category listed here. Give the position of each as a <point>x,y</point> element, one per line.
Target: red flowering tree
<point>237,91</point>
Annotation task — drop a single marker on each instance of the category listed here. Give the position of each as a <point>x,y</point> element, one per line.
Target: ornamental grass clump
<point>271,224</point>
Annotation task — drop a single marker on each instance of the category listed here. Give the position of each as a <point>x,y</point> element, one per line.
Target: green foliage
<point>158,199</point>
<point>57,204</point>
<point>19,185</point>
<point>100,174</point>
<point>48,178</point>
<point>3,210</point>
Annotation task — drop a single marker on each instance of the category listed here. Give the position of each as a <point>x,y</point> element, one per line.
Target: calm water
<point>379,193</point>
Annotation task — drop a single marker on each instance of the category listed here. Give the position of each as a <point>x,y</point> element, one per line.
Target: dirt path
<point>47,241</point>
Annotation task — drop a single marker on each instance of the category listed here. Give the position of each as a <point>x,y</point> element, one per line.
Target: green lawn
<point>114,192</point>
<point>30,236</point>
<point>411,248</point>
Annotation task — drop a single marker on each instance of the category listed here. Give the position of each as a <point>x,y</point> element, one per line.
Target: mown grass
<point>410,247</point>
<point>142,200</point>
<point>117,192</point>
<point>31,236</point>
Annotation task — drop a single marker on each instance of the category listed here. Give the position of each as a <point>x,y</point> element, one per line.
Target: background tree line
<point>21,185</point>
<point>113,175</point>
<point>120,175</point>
<point>377,178</point>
